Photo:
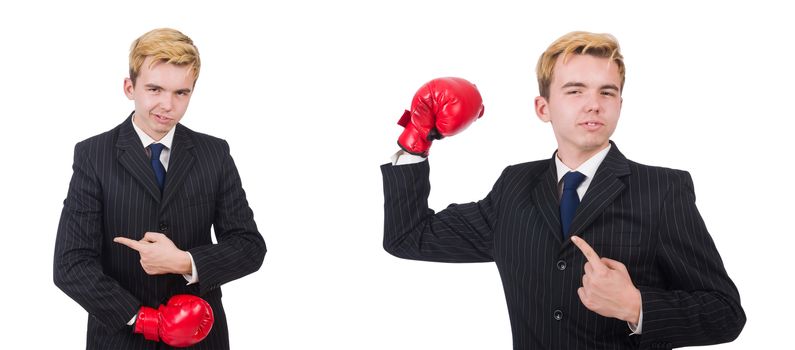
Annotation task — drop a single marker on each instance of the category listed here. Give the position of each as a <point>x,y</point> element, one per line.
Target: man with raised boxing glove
<point>594,251</point>
<point>135,230</point>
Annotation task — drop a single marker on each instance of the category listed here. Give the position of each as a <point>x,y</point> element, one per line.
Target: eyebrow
<point>155,86</point>
<point>579,84</point>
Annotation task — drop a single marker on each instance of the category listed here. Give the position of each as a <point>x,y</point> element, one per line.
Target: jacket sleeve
<point>240,249</point>
<point>77,266</point>
<point>460,233</point>
<point>700,305</point>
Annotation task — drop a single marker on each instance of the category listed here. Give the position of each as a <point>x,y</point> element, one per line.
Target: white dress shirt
<point>587,168</point>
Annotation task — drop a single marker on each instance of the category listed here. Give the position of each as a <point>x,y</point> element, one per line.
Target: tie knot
<point>156,148</point>
<point>572,180</point>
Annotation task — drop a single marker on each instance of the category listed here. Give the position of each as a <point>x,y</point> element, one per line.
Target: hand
<point>159,255</point>
<point>440,108</point>
<point>607,288</point>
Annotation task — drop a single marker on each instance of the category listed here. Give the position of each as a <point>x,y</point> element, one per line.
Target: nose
<point>167,102</point>
<point>592,104</point>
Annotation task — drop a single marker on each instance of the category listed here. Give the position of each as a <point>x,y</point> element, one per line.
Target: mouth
<point>161,118</point>
<point>591,125</point>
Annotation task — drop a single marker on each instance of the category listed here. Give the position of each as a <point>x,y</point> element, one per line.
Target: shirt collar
<point>146,140</point>
<point>588,168</point>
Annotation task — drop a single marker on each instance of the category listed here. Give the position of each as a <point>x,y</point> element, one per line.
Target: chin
<point>594,145</point>
<point>157,129</point>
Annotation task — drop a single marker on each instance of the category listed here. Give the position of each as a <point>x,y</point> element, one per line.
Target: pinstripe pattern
<point>113,192</point>
<point>643,216</point>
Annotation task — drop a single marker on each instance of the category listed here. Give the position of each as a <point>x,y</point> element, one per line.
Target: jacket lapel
<point>545,198</point>
<point>180,163</point>
<point>132,157</point>
<point>604,189</point>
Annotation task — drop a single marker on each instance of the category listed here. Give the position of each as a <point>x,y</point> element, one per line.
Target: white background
<point>308,93</point>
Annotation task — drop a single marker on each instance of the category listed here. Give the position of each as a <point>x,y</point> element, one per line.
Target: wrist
<point>183,265</point>
<point>413,141</point>
<point>633,310</point>
<point>147,322</point>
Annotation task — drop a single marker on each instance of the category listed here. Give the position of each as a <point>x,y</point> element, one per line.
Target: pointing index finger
<point>128,242</point>
<point>589,253</point>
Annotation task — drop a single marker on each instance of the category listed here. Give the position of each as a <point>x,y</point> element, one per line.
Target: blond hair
<point>578,43</point>
<point>164,45</point>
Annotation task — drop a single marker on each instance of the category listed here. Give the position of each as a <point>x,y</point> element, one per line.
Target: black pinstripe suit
<point>113,192</point>
<point>642,216</point>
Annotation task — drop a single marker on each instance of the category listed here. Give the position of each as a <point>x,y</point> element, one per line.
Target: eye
<point>608,93</point>
<point>573,92</point>
<point>153,89</point>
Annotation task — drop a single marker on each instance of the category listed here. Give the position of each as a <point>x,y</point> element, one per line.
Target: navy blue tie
<point>160,170</point>
<point>569,200</point>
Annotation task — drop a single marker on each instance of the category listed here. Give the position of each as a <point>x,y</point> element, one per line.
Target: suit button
<point>558,315</point>
<point>163,227</point>
<point>561,265</point>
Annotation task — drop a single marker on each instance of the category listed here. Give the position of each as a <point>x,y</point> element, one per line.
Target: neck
<point>574,158</point>
<point>153,135</point>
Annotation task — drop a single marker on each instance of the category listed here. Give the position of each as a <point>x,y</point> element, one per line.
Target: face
<point>161,94</point>
<point>583,106</point>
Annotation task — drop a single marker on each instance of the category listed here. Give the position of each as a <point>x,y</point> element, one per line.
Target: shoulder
<point>527,169</point>
<point>656,170</point>
<point>199,137</point>
<point>96,143</point>
<point>662,176</point>
<point>202,141</point>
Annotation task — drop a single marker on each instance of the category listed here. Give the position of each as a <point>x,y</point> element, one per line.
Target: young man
<point>595,251</point>
<point>135,228</point>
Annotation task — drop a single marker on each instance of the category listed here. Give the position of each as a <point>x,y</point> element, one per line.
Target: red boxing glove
<point>442,107</point>
<point>184,321</point>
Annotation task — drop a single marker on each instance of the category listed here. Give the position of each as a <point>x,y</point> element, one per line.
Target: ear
<point>129,89</point>
<point>542,109</point>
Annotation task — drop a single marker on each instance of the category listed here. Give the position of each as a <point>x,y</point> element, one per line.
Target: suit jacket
<point>113,192</point>
<point>642,216</point>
